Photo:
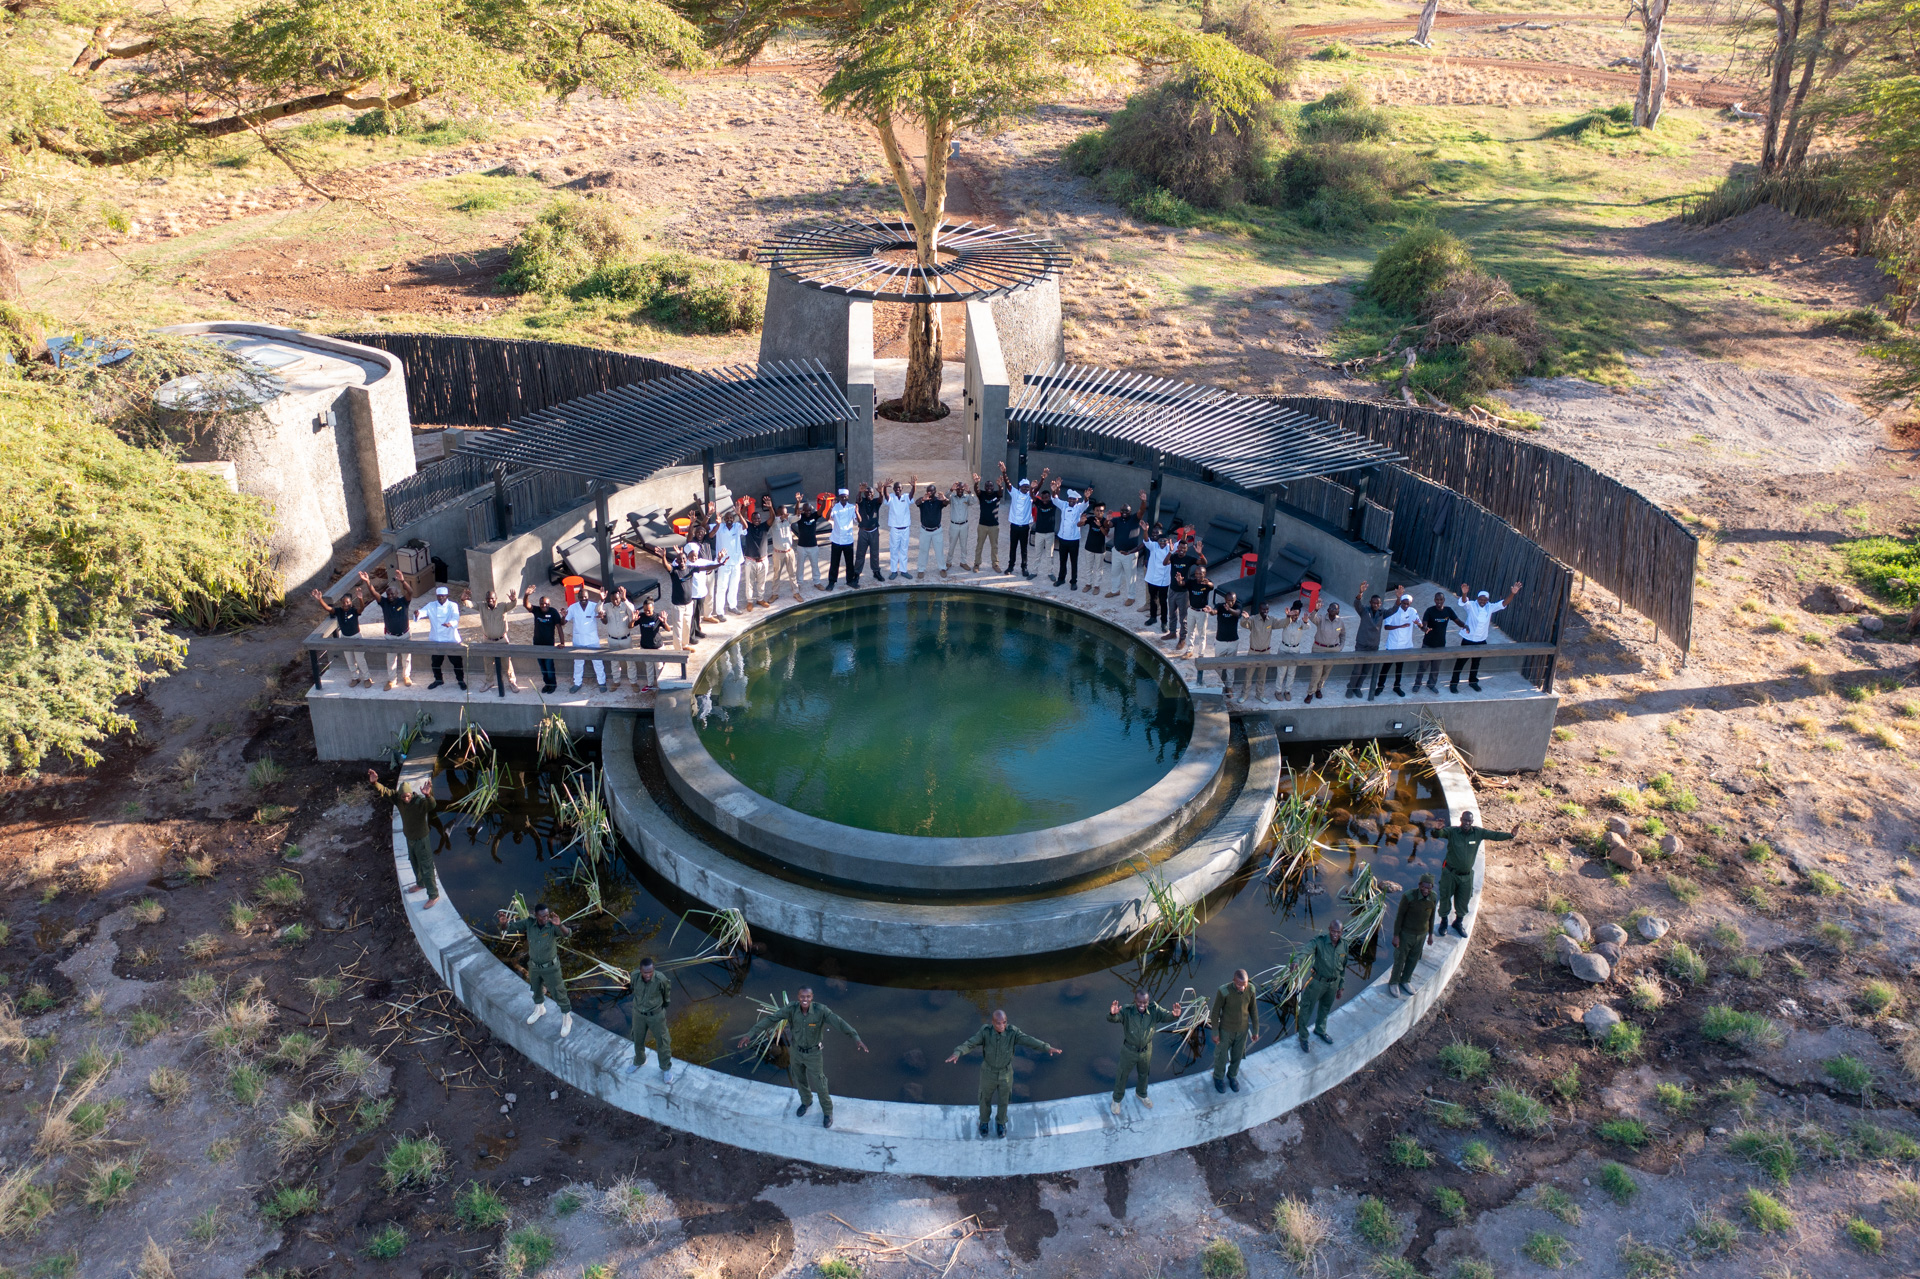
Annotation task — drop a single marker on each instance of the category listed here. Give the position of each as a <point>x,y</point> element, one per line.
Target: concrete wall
<point>804,323</point>
<point>989,391</point>
<point>927,1140</point>
<point>1337,560</point>
<point>364,727</point>
<point>1496,735</point>
<point>322,453</point>
<point>1030,329</point>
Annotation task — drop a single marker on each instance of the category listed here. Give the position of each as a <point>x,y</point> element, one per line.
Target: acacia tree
<point>943,66</point>
<point>150,82</point>
<point>1651,98</point>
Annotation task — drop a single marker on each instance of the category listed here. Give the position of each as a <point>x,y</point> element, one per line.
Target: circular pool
<point>935,740</point>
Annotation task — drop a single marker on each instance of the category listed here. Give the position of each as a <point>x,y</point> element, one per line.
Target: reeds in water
<point>763,1042</point>
<point>729,937</point>
<point>578,803</point>
<point>483,793</point>
<point>471,743</point>
<point>1173,922</point>
<point>1298,824</point>
<point>553,738</point>
<point>1361,771</point>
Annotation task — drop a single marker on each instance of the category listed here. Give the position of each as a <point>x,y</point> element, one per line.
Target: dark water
<point>911,1015</point>
<point>943,713</point>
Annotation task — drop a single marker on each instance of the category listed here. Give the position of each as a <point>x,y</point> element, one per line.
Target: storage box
<point>414,558</point>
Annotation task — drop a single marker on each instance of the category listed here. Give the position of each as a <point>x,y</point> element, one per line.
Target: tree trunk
<point>921,399</point>
<point>1424,36</point>
<point>1786,35</point>
<point>1652,96</point>
<point>1799,126</point>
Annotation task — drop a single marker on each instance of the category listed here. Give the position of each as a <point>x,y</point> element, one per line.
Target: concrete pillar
<point>988,392</point>
<point>856,465</point>
<point>1266,549</point>
<point>810,324</point>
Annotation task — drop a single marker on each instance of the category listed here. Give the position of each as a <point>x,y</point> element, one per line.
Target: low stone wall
<point>928,1140</point>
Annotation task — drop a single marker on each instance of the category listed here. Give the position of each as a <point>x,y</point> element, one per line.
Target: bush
<point>1768,1215</point>
<point>1473,309</point>
<point>567,242</point>
<point>1255,29</point>
<point>1169,138</point>
<point>1618,1183</point>
<point>1338,51</point>
<point>1340,187</point>
<point>1725,1025</point>
<point>1414,267</point>
<point>1222,1259</point>
<point>1345,115</point>
<point>692,295</point>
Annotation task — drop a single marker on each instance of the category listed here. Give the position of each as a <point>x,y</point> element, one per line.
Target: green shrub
<point>1544,1248</point>
<point>1255,29</point>
<point>1374,1223</point>
<point>1768,1149</point>
<point>1618,1183</point>
<point>1451,1203</point>
<point>1623,1041</point>
<point>383,123</point>
<point>1412,269</point>
<point>565,243</point>
<point>1169,138</point>
<point>1865,1236</point>
<point>1345,115</point>
<point>1465,1061</point>
<point>478,1207</point>
<point>1879,561</point>
<point>1624,1132</point>
<point>1823,884</point>
<point>1766,1214</point>
<point>1222,1259</point>
<point>413,1163</point>
<point>689,294</point>
<point>109,1181</point>
<point>1405,1152</point>
<point>1724,1025</point>
<point>387,1242</point>
<point>1713,1235</point>
<point>1674,1099</point>
<point>1850,1074</point>
<point>1338,51</point>
<point>1340,187</point>
<point>282,889</point>
<point>1603,122</point>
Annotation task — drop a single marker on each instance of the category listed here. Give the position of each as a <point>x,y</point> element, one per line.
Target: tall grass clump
<point>565,243</point>
<point>683,292</point>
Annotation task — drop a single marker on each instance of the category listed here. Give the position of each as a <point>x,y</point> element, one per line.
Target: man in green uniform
<point>1328,983</point>
<point>996,1042</point>
<point>1456,873</point>
<point>415,806</point>
<point>1412,930</point>
<point>543,934</point>
<point>652,992</point>
<point>807,1024</point>
<point>1236,1020</point>
<point>1137,1023</point>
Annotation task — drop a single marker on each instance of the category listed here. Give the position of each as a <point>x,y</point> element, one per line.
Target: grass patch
<point>1722,1024</point>
<point>1768,1149</point>
<point>1646,996</point>
<point>1685,964</point>
<point>282,889</point>
<point>1451,1114</point>
<point>265,772</point>
<point>478,1207</point>
<point>1624,1132</point>
<point>1374,1223</point>
<point>1644,1261</point>
<point>1850,1074</point>
<point>1766,1214</point>
<point>300,1128</point>
<point>246,1084</point>
<point>169,1086</point>
<point>371,1112</point>
<point>109,1182</point>
<point>297,1050</point>
<point>1566,1085</point>
<point>1874,1142</point>
<point>148,911</point>
<point>1623,1041</point>
<point>1865,1236</point>
<point>525,1252</point>
<point>1835,937</point>
<point>1405,1152</point>
<point>413,1163</point>
<point>1684,890</point>
<point>387,1242</point>
<point>1674,1099</point>
<point>1465,1061</point>
<point>1823,884</point>
<point>1222,1259</point>
<point>1450,1203</point>
<point>1545,1248</point>
<point>241,917</point>
<point>1477,1156</point>
<point>1519,1112</point>
<point>284,1203</point>
<point>202,948</point>
<point>146,1025</point>
<point>1618,1183</point>
<point>1552,1199</point>
<point>1302,1231</point>
<point>1470,1268</point>
<point>1712,1235</point>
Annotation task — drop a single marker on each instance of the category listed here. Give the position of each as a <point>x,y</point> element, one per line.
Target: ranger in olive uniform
<point>807,1024</point>
<point>652,992</point>
<point>1327,985</point>
<point>1456,873</point>
<point>996,1043</point>
<point>1137,1023</point>
<point>416,807</point>
<point>1412,930</point>
<point>543,934</point>
<point>1236,1020</point>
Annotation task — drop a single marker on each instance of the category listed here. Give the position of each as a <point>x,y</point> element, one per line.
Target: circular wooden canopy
<point>875,260</point>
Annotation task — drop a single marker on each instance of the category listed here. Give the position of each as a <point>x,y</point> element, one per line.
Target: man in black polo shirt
<point>753,573</point>
<point>647,625</point>
<point>867,548</point>
<point>1436,619</point>
<point>1126,538</point>
<point>987,531</point>
<point>546,626</point>
<point>933,534</point>
<point>346,620</point>
<point>1046,522</point>
<point>396,612</point>
<point>808,529</point>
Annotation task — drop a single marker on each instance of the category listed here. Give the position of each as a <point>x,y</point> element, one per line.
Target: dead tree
<point>1651,98</point>
<point>1424,36</point>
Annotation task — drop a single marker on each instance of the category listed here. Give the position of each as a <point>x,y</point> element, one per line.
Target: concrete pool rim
<point>920,1139</point>
<point>929,864</point>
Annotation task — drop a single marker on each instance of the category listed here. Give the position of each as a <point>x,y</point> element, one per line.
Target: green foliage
<point>1713,1235</point>
<point>1768,1149</point>
<point>284,1203</point>
<point>1766,1214</point>
<point>282,888</point>
<point>478,1207</point>
<point>1554,1200</point>
<point>566,243</point>
<point>1685,964</point>
<point>1519,1112</point>
<point>1878,562</point>
<point>838,1268</point>
<point>1168,139</point>
<point>1623,1041</point>
<point>525,1252</point>
<point>1674,1099</point>
<point>1345,114</point>
<point>387,1242</point>
<point>1338,51</point>
<point>246,1084</point>
<point>1601,123</point>
<point>1470,1268</point>
<point>1644,1261</point>
<point>1850,1074</point>
<point>1566,1084</point>
<point>1544,1248</point>
<point>102,539</point>
<point>109,1181</point>
<point>684,293</point>
<point>1451,1114</point>
<point>1374,1223</point>
<point>1222,1259</point>
<point>1412,269</point>
<point>413,1163</point>
<point>1465,1061</point>
<point>1451,1203</point>
<point>1875,1142</point>
<point>1823,884</point>
<point>1624,1132</point>
<point>1618,1183</point>
<point>1723,1024</point>
<point>1865,1236</point>
<point>1405,1152</point>
<point>1477,1156</point>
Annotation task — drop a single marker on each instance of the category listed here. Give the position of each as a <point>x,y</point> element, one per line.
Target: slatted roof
<point>626,434</point>
<point>876,260</point>
<point>1255,443</point>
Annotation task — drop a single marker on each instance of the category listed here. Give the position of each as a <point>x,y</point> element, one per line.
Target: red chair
<point>746,505</point>
<point>1310,592</point>
<point>573,587</point>
<point>826,504</point>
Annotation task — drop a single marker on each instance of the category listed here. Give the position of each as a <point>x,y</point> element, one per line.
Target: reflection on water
<point>910,1013</point>
<point>942,713</point>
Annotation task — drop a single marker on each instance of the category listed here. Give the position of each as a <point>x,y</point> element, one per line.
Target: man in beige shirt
<point>1296,637</point>
<point>619,634</point>
<point>493,625</point>
<point>1260,630</point>
<point>1329,636</point>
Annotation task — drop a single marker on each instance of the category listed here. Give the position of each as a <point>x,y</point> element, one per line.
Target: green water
<point>942,713</point>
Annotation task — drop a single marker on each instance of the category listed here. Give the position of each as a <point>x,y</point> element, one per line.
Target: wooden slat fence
<point>456,380</point>
<point>1588,519</point>
<point>1321,498</point>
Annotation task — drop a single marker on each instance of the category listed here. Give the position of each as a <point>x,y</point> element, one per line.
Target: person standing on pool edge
<point>652,992</point>
<point>1137,1021</point>
<point>1327,985</point>
<point>416,809</point>
<point>807,1024</point>
<point>1456,873</point>
<point>1236,1021</point>
<point>543,933</point>
<point>997,1041</point>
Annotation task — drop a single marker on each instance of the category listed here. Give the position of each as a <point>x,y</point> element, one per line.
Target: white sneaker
<point>566,1024</point>
<point>666,1076</point>
<point>539,1011</point>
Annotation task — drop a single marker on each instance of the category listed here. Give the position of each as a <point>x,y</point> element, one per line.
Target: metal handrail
<point>319,642</point>
<point>1354,657</point>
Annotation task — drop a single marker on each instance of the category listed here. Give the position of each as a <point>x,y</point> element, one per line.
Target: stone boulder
<point>1611,949</point>
<point>1672,845</point>
<point>1366,828</point>
<point>1653,928</point>
<point>1590,967</point>
<point>1564,949</point>
<point>1576,925</point>
<point>1621,853</point>
<point>1871,625</point>
<point>1618,825</point>
<point>1830,597</point>
<point>1600,1021</point>
<point>1610,932</point>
